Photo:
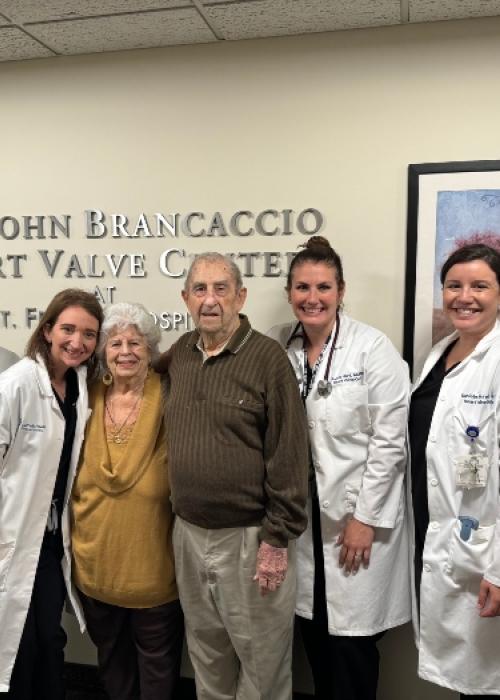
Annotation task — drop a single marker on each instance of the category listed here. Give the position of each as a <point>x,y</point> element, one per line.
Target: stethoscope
<point>325,386</point>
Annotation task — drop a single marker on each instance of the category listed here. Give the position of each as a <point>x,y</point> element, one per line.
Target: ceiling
<point>44,28</point>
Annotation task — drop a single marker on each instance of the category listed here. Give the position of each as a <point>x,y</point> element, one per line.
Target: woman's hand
<point>356,540</point>
<point>488,600</point>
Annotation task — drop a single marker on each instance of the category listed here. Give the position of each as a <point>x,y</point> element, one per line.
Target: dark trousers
<point>343,668</point>
<point>39,666</point>
<point>138,649</point>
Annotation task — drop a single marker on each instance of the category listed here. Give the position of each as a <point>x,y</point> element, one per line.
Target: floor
<point>97,695</point>
<point>83,684</point>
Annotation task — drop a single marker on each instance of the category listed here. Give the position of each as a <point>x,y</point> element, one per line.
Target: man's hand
<point>488,600</point>
<point>272,563</point>
<point>356,540</point>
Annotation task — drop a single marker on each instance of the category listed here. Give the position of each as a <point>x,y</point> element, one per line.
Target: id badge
<point>472,470</point>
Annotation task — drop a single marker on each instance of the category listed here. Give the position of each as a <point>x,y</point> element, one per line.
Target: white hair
<point>122,315</point>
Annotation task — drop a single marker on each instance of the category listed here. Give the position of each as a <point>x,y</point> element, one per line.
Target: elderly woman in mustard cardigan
<point>122,519</point>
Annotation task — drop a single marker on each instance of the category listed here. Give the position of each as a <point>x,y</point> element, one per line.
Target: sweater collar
<point>114,477</point>
<point>235,342</point>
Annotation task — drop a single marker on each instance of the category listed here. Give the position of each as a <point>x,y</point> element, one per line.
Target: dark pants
<point>138,649</point>
<point>343,668</point>
<point>39,666</point>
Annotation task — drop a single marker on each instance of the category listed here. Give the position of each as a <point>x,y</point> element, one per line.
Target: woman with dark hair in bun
<point>353,579</point>
<point>455,484</point>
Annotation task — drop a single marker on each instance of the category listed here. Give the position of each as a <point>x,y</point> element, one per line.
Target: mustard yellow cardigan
<point>122,518</point>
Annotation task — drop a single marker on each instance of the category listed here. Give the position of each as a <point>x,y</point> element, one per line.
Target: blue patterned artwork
<point>462,217</point>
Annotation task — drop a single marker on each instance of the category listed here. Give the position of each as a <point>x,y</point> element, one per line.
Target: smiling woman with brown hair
<point>454,438</point>
<point>352,561</point>
<point>43,410</point>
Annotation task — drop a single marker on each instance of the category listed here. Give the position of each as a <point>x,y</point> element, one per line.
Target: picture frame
<point>449,204</point>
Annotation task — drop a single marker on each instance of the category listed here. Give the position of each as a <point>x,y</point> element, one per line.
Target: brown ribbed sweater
<point>237,436</point>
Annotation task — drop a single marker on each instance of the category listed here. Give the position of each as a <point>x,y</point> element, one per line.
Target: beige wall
<point>329,121</point>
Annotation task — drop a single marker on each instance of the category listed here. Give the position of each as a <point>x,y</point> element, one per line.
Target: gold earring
<point>107,378</point>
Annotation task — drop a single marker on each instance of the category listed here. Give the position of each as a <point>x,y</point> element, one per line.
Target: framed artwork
<point>449,205</point>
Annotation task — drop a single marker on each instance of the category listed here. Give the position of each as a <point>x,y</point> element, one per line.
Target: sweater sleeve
<point>388,391</point>
<point>285,455</point>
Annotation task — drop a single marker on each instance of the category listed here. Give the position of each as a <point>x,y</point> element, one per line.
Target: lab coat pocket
<point>347,409</point>
<point>468,560</point>
<point>6,552</point>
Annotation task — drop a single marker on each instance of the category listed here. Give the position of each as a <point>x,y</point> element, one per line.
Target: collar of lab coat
<point>295,338</point>
<point>43,378</point>
<point>438,349</point>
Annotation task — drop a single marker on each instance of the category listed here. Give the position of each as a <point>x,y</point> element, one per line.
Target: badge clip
<point>468,524</point>
<point>472,431</point>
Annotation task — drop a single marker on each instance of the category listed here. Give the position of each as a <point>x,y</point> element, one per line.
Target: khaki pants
<point>240,643</point>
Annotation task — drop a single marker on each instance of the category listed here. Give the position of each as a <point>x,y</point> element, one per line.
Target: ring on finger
<point>358,556</point>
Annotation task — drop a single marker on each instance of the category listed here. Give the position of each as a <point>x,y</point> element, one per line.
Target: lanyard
<point>324,385</point>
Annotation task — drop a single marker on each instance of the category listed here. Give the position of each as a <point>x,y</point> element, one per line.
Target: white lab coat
<point>457,648</point>
<point>357,439</point>
<point>31,439</point>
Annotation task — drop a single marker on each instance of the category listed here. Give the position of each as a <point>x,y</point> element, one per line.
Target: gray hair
<point>120,316</point>
<point>215,258</point>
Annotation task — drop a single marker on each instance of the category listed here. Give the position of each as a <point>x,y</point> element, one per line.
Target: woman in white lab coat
<point>43,410</point>
<point>454,432</point>
<point>353,574</point>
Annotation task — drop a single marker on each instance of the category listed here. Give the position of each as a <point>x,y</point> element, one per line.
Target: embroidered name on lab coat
<point>478,399</point>
<point>348,378</point>
<point>33,427</point>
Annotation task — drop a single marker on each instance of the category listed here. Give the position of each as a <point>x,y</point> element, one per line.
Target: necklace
<point>117,438</point>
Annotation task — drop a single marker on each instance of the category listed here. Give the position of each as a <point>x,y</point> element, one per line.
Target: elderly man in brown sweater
<point>238,459</point>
